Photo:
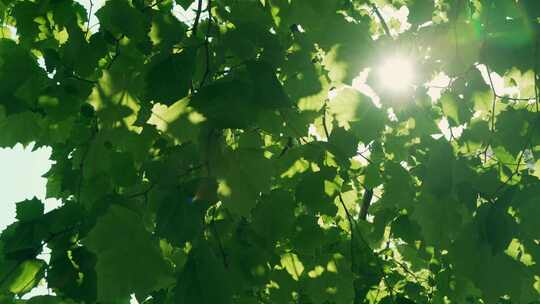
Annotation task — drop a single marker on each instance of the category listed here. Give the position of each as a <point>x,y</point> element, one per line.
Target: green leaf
<point>180,218</point>
<point>166,29</point>
<point>178,121</point>
<point>23,277</point>
<point>472,257</point>
<point>273,218</point>
<point>332,282</point>
<point>22,82</point>
<point>23,128</point>
<point>74,273</point>
<point>438,178</point>
<point>372,176</point>
<point>128,258</point>
<point>439,219</point>
<point>311,191</point>
<point>352,109</point>
<point>120,18</point>
<point>497,227</point>
<point>406,229</point>
<point>343,144</point>
<point>204,279</point>
<point>421,11</point>
<point>242,176</point>
<point>193,166</point>
<point>184,3</point>
<point>293,265</point>
<point>268,89</point>
<point>514,127</point>
<point>29,209</point>
<point>345,58</point>
<point>169,76</point>
<point>229,104</point>
<point>455,109</point>
<point>398,186</point>
<point>49,300</point>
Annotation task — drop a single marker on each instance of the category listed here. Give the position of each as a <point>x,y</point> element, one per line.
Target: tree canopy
<point>249,153</point>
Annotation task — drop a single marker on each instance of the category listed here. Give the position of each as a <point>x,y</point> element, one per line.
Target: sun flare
<point>396,73</point>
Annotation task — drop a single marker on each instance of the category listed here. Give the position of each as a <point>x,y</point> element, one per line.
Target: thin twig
<point>348,214</point>
<point>82,79</point>
<point>197,18</point>
<point>351,227</point>
<point>494,99</point>
<point>153,5</point>
<point>116,52</point>
<point>381,19</point>
<point>326,133</point>
<point>288,145</point>
<point>368,194</point>
<point>229,69</point>
<point>407,270</point>
<point>142,193</point>
<point>515,98</point>
<point>88,19</point>
<point>207,44</point>
<point>349,217</point>
<point>536,53</point>
<point>520,158</point>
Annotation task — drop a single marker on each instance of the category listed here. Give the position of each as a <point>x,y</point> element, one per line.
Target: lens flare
<point>396,74</point>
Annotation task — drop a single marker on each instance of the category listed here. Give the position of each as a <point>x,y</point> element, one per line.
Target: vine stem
<point>116,52</point>
<point>492,119</point>
<point>197,18</point>
<point>381,19</point>
<point>207,44</point>
<point>536,80</point>
<point>88,19</point>
<point>520,158</point>
<point>368,194</point>
<point>347,213</point>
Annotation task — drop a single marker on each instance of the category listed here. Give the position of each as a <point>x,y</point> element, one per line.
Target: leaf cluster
<point>232,156</point>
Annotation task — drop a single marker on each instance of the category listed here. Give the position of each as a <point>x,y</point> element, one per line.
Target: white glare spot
<point>436,85</point>
<point>498,82</point>
<point>448,132</point>
<point>396,74</point>
<point>359,83</point>
<point>188,16</point>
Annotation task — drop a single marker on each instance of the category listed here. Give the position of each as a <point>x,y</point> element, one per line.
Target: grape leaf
<point>123,247</point>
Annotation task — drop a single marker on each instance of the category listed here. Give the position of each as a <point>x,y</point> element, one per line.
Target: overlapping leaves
<point>225,157</point>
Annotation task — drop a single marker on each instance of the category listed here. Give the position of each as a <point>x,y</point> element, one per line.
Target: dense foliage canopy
<point>231,156</point>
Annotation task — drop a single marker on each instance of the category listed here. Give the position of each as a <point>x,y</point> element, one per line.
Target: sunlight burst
<point>396,73</point>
